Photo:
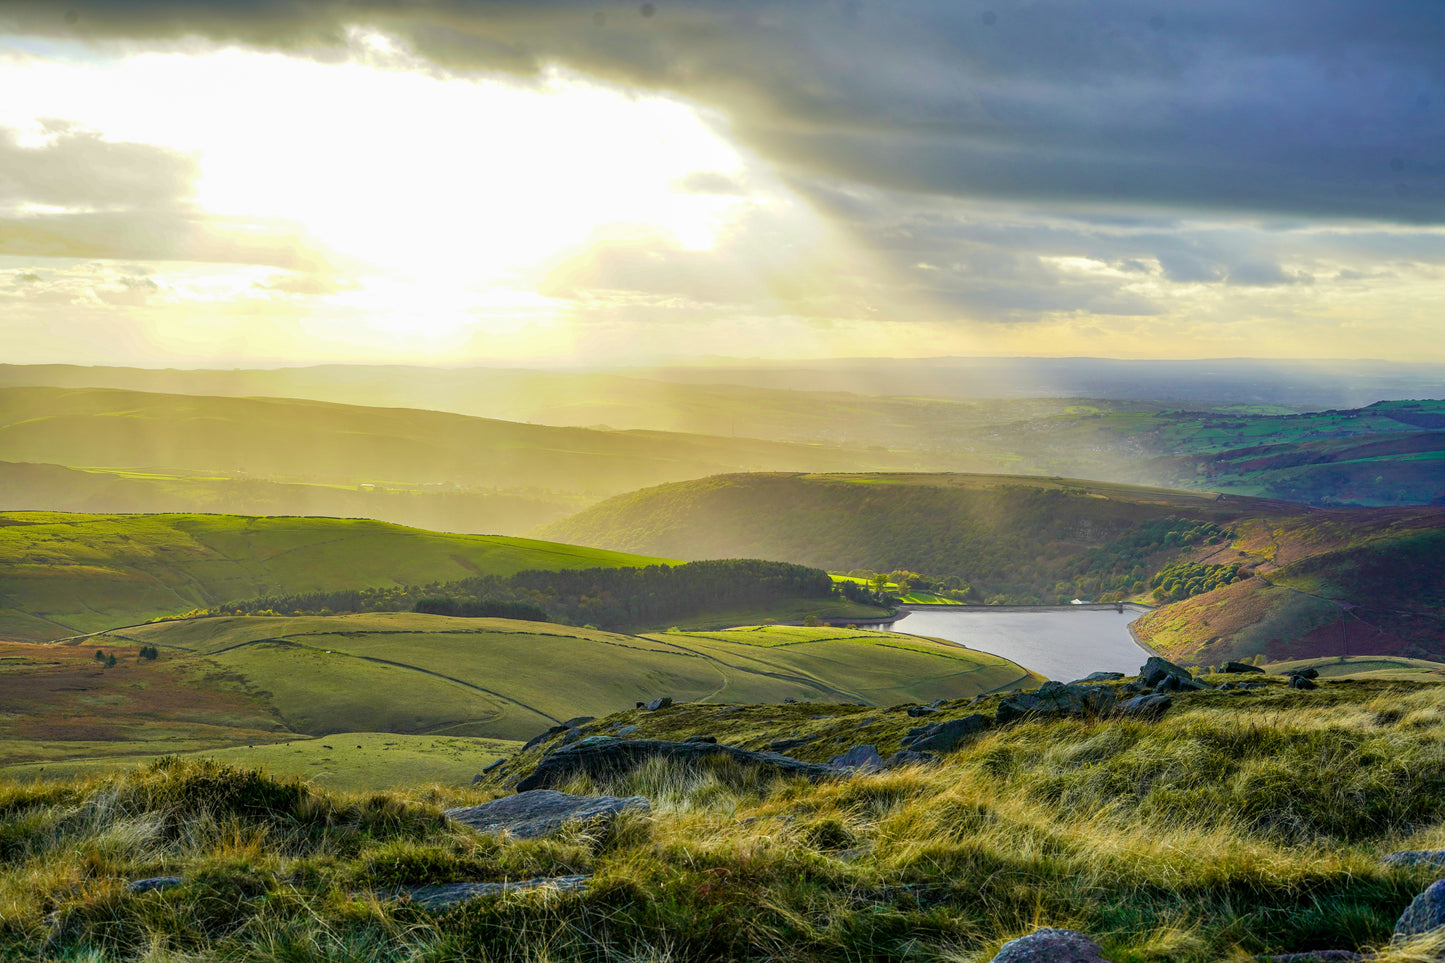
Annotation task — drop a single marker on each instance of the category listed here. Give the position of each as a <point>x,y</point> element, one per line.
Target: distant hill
<point>1239,576</point>
<point>63,575</point>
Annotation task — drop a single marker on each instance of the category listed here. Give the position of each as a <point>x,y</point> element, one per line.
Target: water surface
<point>1064,642</point>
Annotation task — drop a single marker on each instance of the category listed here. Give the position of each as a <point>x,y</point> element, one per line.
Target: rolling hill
<point>63,575</point>
<point>255,681</point>
<point>1250,576</point>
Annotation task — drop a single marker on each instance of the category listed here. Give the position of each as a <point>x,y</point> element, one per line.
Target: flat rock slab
<point>1425,913</point>
<point>1049,945</point>
<point>600,757</point>
<point>541,812</point>
<point>153,883</point>
<point>1416,857</point>
<point>444,897</point>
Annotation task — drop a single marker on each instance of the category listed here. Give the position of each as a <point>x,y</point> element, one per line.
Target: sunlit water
<point>1060,643</point>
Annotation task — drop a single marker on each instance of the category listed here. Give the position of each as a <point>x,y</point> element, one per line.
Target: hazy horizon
<point>604,185</point>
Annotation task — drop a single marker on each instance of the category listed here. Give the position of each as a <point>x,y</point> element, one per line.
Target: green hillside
<point>218,682</point>
<point>1237,576</point>
<point>63,575</point>
<point>1024,538</point>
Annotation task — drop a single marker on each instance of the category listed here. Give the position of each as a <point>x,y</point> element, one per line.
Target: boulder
<point>859,759</point>
<point>908,757</point>
<point>1098,677</point>
<point>598,756</point>
<point>449,895</point>
<point>1302,682</point>
<point>1048,945</point>
<point>783,745</point>
<point>493,765</point>
<point>1415,857</point>
<point>1240,667</point>
<point>542,812</point>
<point>1425,913</point>
<point>1152,672</point>
<point>1056,698</point>
<point>153,883</point>
<point>624,730</point>
<point>662,702</point>
<point>711,740</point>
<point>1147,707</point>
<point>542,737</point>
<point>945,736</point>
<point>1306,673</point>
<point>918,711</point>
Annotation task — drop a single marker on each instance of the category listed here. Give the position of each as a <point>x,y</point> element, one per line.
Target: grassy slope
<point>1351,582</point>
<point>62,575</point>
<point>1191,840</point>
<point>232,681</point>
<point>31,487</point>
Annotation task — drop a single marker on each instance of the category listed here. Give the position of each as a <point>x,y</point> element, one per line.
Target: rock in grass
<point>1147,707</point>
<point>783,745</point>
<point>919,711</point>
<point>1048,945</point>
<point>446,896</point>
<point>1302,682</point>
<point>1055,699</point>
<point>1306,673</point>
<point>662,702</point>
<point>1415,857</point>
<point>707,739</point>
<point>1240,667</point>
<point>153,883</point>
<point>542,812</point>
<point>600,757</point>
<point>494,765</point>
<point>1154,671</point>
<point>945,736</point>
<point>908,757</point>
<point>859,758</point>
<point>1425,913</point>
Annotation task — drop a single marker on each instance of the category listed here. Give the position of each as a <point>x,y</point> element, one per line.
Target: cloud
<point>80,169</point>
<point>1298,107</point>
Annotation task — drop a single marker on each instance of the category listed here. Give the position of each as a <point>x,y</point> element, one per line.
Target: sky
<point>197,184</point>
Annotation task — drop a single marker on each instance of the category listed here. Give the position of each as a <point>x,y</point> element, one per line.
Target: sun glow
<point>432,194</point>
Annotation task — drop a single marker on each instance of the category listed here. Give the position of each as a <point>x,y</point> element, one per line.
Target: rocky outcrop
<point>945,736</point>
<point>602,756</point>
<point>1048,945</point>
<point>1302,682</point>
<point>542,812</point>
<point>1239,667</point>
<point>1056,699</point>
<point>1098,677</point>
<point>1156,670</point>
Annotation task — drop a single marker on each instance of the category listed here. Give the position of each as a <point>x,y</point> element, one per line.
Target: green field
<point>63,575</point>
<point>224,683</point>
<point>346,761</point>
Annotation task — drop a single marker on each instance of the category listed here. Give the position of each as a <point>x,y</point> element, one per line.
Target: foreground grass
<point>1240,824</point>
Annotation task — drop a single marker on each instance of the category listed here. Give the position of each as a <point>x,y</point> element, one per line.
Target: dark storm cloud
<point>1306,108</point>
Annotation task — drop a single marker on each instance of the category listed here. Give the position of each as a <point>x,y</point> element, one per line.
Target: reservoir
<point>1063,642</point>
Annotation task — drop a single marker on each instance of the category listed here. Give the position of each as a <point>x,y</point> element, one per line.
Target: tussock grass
<point>1235,826</point>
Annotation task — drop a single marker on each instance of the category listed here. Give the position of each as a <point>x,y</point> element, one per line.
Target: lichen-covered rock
<point>1148,707</point>
<point>542,812</point>
<point>1415,857</point>
<point>450,894</point>
<point>859,759</point>
<point>1425,913</point>
<point>1049,945</point>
